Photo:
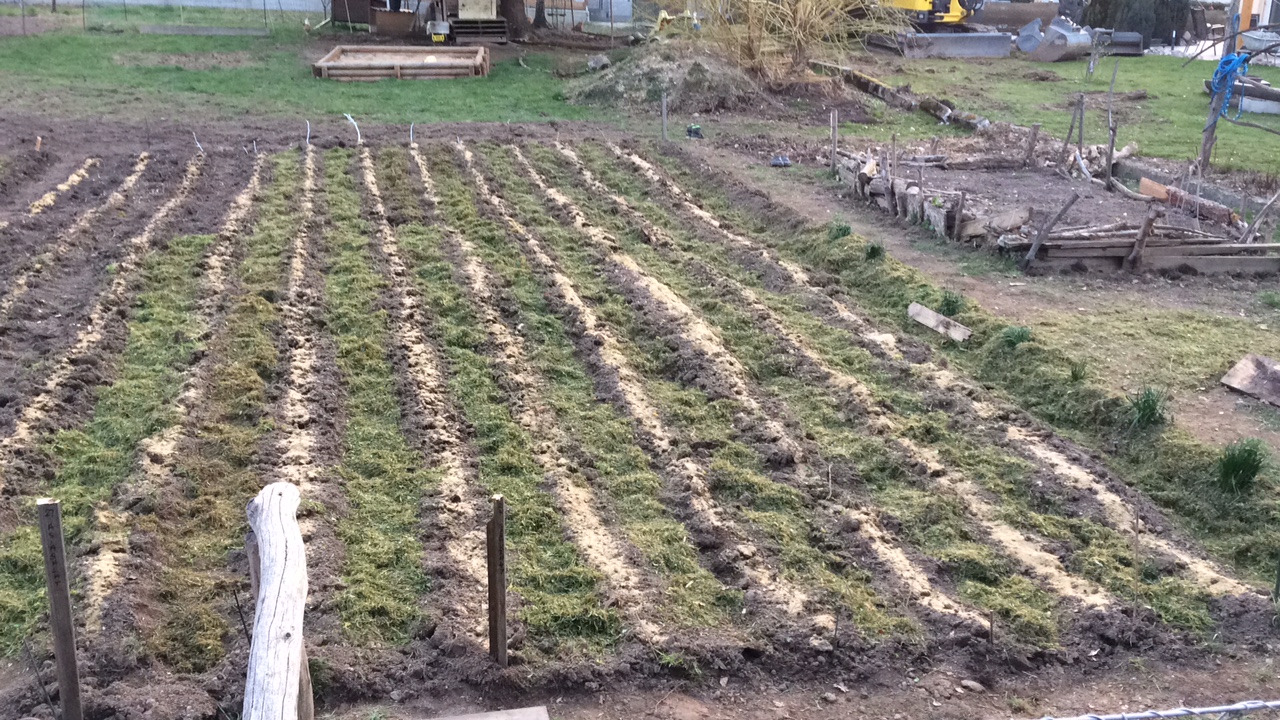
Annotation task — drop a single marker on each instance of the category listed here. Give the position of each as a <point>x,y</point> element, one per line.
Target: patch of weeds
<point>560,594</point>
<point>952,304</point>
<point>838,230</point>
<point>1148,408</point>
<point>1079,371</point>
<point>218,468</point>
<point>1270,298</point>
<point>680,664</point>
<point>1014,336</point>
<point>381,472</point>
<point>874,252</point>
<point>1240,464</point>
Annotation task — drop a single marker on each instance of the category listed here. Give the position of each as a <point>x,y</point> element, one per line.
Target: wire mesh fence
<point>164,16</point>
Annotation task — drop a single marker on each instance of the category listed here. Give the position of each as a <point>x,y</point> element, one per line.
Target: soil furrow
<point>445,442</point>
<point>45,261</point>
<point>904,569</point>
<point>723,366</point>
<point>602,548</point>
<point>102,570</point>
<point>689,475</point>
<point>46,201</point>
<point>1115,511</point>
<point>112,301</point>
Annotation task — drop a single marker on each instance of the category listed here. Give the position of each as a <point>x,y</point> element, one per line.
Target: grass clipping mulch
<point>695,80</point>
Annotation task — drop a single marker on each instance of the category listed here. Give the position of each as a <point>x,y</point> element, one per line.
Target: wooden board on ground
<point>1151,188</point>
<point>998,224</point>
<point>530,713</point>
<point>940,323</point>
<point>372,62</point>
<point>1257,376</point>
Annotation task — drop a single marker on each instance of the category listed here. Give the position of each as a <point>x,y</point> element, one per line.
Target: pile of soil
<point>694,79</point>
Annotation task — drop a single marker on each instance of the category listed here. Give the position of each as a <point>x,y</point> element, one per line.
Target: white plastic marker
<point>357,127</point>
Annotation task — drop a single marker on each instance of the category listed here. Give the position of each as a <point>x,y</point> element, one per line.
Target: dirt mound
<point>694,80</point>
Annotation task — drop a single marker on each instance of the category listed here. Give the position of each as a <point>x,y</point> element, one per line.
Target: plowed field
<point>717,459</point>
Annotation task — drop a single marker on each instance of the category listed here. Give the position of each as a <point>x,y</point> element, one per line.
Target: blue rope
<point>1230,68</point>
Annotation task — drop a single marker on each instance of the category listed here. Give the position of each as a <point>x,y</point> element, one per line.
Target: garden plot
<point>714,455</point>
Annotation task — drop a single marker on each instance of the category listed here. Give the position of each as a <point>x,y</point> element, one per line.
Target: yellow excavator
<point>944,28</point>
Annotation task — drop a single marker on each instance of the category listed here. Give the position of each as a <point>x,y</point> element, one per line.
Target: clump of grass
<point>1148,408</point>
<point>875,251</point>
<point>839,230</point>
<point>1014,336</point>
<point>1270,298</point>
<point>952,303</point>
<point>1240,464</point>
<point>1079,371</point>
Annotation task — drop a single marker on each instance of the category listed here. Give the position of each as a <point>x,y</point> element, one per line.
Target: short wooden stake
<point>1044,232</point>
<point>64,632</point>
<point>497,556</point>
<point>1111,152</point>
<point>1066,141</point>
<point>835,136</point>
<point>955,232</point>
<point>1031,145</point>
<point>893,156</point>
<point>1080,137</point>
<point>664,117</point>
<point>1134,260</point>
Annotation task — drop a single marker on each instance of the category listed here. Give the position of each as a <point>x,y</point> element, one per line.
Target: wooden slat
<point>1220,249</point>
<point>1241,264</point>
<point>531,713</point>
<point>939,323</point>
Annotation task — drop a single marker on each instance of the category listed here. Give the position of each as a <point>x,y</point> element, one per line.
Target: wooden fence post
<point>278,673</point>
<point>49,512</point>
<point>1044,232</point>
<point>835,137</point>
<point>497,557</point>
<point>1134,260</point>
<point>1031,146</point>
<point>664,117</point>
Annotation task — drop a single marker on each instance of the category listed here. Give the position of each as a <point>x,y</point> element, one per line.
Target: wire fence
<point>161,16</point>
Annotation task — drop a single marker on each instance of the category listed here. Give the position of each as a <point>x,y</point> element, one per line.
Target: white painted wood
<point>276,654</point>
<point>940,323</point>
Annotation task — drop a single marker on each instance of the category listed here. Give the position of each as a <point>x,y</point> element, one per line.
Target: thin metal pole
<point>610,21</point>
<point>64,631</point>
<point>22,9</point>
<point>265,24</point>
<point>84,24</point>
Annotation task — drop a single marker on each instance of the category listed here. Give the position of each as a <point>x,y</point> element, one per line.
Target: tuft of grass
<point>952,304</point>
<point>1240,464</point>
<point>838,230</point>
<point>874,251</point>
<point>1270,298</point>
<point>1014,336</point>
<point>1148,408</point>
<point>1079,371</point>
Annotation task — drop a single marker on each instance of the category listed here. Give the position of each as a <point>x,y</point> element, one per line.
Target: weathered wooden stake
<point>497,556</point>
<point>955,232</point>
<point>835,136</point>
<point>893,156</point>
<point>1045,230</point>
<point>1031,145</point>
<point>49,513</point>
<point>278,675</point>
<point>664,117</point>
<point>1066,141</point>
<point>1134,260</point>
<point>22,10</point>
<point>1080,138</point>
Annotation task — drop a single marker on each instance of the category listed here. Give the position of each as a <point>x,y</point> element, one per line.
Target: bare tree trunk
<point>540,15</point>
<point>517,22</point>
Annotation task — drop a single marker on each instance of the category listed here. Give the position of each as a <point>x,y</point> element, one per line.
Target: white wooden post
<point>277,655</point>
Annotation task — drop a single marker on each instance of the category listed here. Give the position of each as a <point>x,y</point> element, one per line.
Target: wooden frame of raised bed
<point>363,63</point>
<point>1107,247</point>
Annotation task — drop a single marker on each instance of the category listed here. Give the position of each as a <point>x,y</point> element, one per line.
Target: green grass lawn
<point>118,72</point>
<point>1166,124</point>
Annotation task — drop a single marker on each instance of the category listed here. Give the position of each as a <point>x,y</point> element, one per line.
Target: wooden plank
<point>497,557</point>
<point>49,512</point>
<point>939,323</point>
<point>1215,249</point>
<point>530,713</point>
<point>1151,188</point>
<point>1048,227</point>
<point>1238,264</point>
<point>1134,261</point>
<point>276,653</point>
<point>1255,375</point>
<point>1002,223</point>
